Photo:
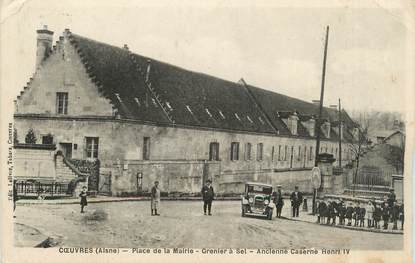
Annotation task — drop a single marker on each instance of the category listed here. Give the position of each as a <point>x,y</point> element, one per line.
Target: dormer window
<point>169,106</point>
<point>221,114</point>
<point>208,112</point>
<point>249,119</point>
<point>326,127</point>
<point>292,123</point>
<point>189,109</point>
<point>310,125</point>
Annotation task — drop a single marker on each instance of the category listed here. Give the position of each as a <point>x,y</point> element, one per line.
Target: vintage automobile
<point>257,200</point>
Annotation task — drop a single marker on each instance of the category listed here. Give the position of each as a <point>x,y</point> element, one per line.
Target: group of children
<point>357,213</point>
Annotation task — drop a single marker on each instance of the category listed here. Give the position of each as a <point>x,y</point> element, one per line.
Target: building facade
<point>146,120</point>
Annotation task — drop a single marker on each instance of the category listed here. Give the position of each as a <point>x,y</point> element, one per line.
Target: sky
<point>270,45</point>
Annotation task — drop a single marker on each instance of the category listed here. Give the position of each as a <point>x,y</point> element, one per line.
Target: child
<point>323,211</point>
<point>356,212</point>
<point>370,209</point>
<point>362,214</point>
<point>83,196</point>
<point>330,211</point>
<point>377,215</point>
<point>385,215</point>
<point>349,213</point>
<point>401,215</point>
<point>342,212</point>
<point>318,211</point>
<point>395,215</point>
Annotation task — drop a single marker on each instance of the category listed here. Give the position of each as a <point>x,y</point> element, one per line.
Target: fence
<point>35,189</point>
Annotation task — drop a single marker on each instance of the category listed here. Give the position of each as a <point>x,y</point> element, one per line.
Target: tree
<point>30,137</point>
<point>360,144</point>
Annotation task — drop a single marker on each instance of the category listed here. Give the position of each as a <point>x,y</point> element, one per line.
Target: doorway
<point>66,149</point>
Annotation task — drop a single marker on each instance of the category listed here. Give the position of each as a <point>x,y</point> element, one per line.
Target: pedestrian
<point>362,215</point>
<point>370,209</point>
<point>83,196</point>
<point>385,215</point>
<point>330,211</point>
<point>349,213</point>
<point>15,196</point>
<point>278,200</point>
<point>395,215</point>
<point>342,212</point>
<point>401,215</point>
<point>377,215</point>
<point>323,211</point>
<point>296,200</point>
<point>356,211</point>
<point>208,195</point>
<point>155,199</point>
<point>391,197</point>
<point>318,211</point>
<point>335,212</point>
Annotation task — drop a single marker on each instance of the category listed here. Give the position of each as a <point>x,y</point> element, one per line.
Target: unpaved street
<point>182,224</point>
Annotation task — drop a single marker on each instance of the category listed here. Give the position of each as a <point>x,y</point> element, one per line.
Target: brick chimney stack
<point>44,44</point>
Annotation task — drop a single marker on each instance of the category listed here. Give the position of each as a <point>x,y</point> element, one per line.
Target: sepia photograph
<point>206,128</point>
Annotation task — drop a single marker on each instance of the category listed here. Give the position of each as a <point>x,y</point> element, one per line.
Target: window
<point>146,148</point>
<point>92,147</point>
<point>248,150</point>
<point>62,103</point>
<point>311,153</point>
<point>299,153</point>
<point>260,151</point>
<point>279,152</point>
<point>214,151</point>
<point>272,153</point>
<point>285,152</point>
<point>234,151</point>
<point>47,139</point>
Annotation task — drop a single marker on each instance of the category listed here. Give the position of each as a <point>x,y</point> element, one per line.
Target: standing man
<point>391,197</point>
<point>155,199</point>
<point>296,200</point>
<point>278,200</point>
<point>208,196</point>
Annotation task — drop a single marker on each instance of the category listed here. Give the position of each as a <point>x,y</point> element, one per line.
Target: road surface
<point>182,224</point>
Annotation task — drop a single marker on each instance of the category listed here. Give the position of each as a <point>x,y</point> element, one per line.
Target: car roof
<point>260,184</point>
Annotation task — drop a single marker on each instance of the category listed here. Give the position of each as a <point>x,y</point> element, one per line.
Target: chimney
<point>316,102</point>
<point>334,107</point>
<point>126,47</point>
<point>310,126</point>
<point>44,44</point>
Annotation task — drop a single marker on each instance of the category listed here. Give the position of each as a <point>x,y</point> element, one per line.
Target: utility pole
<point>318,124</point>
<point>340,134</point>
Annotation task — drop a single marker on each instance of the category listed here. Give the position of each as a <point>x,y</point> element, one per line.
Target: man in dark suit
<point>208,196</point>
<point>296,200</point>
<point>278,200</point>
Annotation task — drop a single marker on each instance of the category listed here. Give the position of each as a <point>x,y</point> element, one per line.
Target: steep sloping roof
<point>145,89</point>
<point>116,75</point>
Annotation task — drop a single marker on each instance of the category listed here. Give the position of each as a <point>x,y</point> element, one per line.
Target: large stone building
<point>145,120</point>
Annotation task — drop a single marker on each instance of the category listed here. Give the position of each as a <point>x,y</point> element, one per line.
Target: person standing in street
<point>155,199</point>
<point>296,200</point>
<point>83,196</point>
<point>370,209</point>
<point>208,196</point>
<point>394,212</point>
<point>278,200</point>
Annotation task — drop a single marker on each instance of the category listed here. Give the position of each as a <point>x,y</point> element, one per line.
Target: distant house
<point>147,120</point>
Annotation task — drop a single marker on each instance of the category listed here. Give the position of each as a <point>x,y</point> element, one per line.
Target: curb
<point>379,231</point>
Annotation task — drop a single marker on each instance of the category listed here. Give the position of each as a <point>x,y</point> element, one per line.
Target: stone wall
<point>34,162</point>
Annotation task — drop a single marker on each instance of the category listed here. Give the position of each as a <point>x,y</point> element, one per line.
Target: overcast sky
<point>273,47</point>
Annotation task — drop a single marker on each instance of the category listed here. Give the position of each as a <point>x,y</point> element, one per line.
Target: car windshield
<point>259,189</point>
